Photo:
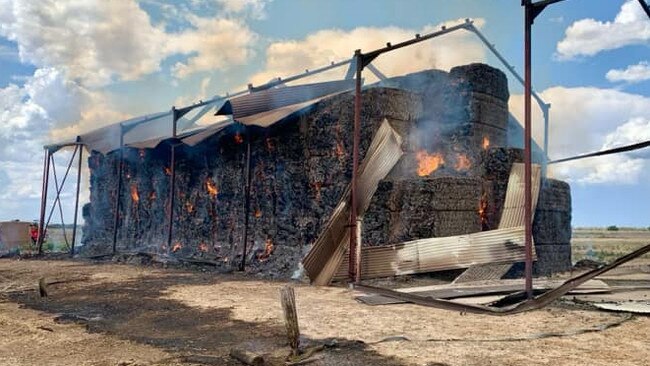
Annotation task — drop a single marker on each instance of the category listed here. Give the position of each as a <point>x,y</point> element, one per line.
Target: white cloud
<point>320,48</point>
<point>590,119</point>
<point>213,44</point>
<point>98,42</point>
<point>253,8</point>
<point>632,74</point>
<point>588,37</point>
<point>47,107</point>
<point>94,41</point>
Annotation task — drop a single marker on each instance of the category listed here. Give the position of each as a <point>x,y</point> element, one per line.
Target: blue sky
<point>67,67</point>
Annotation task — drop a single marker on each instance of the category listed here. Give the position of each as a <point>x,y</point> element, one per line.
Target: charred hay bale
<point>552,227</point>
<point>491,111</point>
<point>552,223</point>
<point>496,162</point>
<point>481,78</point>
<point>439,194</point>
<point>420,208</point>
<point>551,259</point>
<point>555,195</point>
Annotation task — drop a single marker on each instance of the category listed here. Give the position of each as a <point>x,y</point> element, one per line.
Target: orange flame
<point>482,211</point>
<point>462,162</point>
<point>340,151</point>
<point>167,170</point>
<point>238,138</point>
<point>189,207</point>
<point>486,142</point>
<point>428,163</point>
<point>258,213</point>
<point>203,247</point>
<point>317,187</point>
<point>176,247</point>
<point>134,193</point>
<point>268,250</point>
<point>211,188</point>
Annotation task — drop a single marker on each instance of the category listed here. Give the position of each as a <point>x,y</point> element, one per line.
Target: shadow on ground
<point>136,310</point>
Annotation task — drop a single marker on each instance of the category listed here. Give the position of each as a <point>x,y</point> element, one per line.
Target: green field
<point>606,245</point>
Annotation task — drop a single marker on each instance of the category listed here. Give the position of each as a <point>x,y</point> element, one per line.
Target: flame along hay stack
<point>455,128</point>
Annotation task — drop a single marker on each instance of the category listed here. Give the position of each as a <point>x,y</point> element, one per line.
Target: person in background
<point>33,233</point>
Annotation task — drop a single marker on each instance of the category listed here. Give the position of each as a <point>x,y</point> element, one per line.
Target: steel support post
<point>354,271</point>
<point>247,200</point>
<point>172,179</point>
<point>528,9</point>
<point>46,178</point>
<point>118,194</point>
<point>76,202</point>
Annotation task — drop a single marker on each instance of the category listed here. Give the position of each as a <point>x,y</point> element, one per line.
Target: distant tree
<point>612,228</point>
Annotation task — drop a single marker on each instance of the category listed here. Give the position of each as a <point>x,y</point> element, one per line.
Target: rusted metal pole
<point>118,194</point>
<point>76,202</point>
<point>353,269</point>
<point>59,188</point>
<point>46,177</point>
<point>247,200</point>
<point>528,10</point>
<point>172,180</point>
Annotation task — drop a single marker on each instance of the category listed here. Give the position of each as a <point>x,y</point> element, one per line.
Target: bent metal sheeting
<point>261,108</point>
<point>504,245</point>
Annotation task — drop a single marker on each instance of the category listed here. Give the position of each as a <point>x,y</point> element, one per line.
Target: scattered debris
<point>247,357</point>
<point>42,287</point>
<point>628,307</point>
<point>536,303</point>
<point>288,300</point>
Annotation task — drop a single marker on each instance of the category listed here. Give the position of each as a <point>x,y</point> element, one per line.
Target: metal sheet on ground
<point>479,290</point>
<point>628,307</point>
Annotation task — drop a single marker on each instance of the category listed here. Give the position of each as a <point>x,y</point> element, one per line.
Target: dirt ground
<point>116,314</point>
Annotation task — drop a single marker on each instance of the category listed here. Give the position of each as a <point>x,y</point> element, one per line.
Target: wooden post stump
<point>288,300</point>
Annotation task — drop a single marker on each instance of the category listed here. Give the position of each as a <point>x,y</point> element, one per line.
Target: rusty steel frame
<point>76,203</point>
<point>531,11</point>
<point>57,200</point>
<point>118,193</point>
<point>44,189</point>
<point>44,223</point>
<point>247,200</point>
<point>176,114</point>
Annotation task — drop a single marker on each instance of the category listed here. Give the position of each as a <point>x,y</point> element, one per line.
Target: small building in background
<point>13,235</point>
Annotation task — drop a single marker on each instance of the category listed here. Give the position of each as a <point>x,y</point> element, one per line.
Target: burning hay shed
<point>261,196</point>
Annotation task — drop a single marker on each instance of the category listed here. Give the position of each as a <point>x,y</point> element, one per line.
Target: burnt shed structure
<point>257,195</point>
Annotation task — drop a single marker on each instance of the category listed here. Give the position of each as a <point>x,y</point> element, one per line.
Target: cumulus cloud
<point>48,106</point>
<point>588,37</point>
<point>95,41</point>
<point>589,119</point>
<point>253,8</point>
<point>331,45</point>
<point>214,43</point>
<point>98,42</point>
<point>632,74</point>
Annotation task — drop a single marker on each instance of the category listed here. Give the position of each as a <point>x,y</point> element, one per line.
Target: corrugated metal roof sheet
<point>504,245</point>
<point>262,108</point>
<point>326,255</point>
<point>273,99</point>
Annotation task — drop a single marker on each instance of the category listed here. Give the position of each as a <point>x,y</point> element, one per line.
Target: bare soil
<point>115,314</point>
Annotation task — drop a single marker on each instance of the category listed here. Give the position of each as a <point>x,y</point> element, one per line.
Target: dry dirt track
<point>113,314</point>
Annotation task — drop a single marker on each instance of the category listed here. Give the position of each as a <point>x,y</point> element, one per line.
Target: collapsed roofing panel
<point>262,108</point>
